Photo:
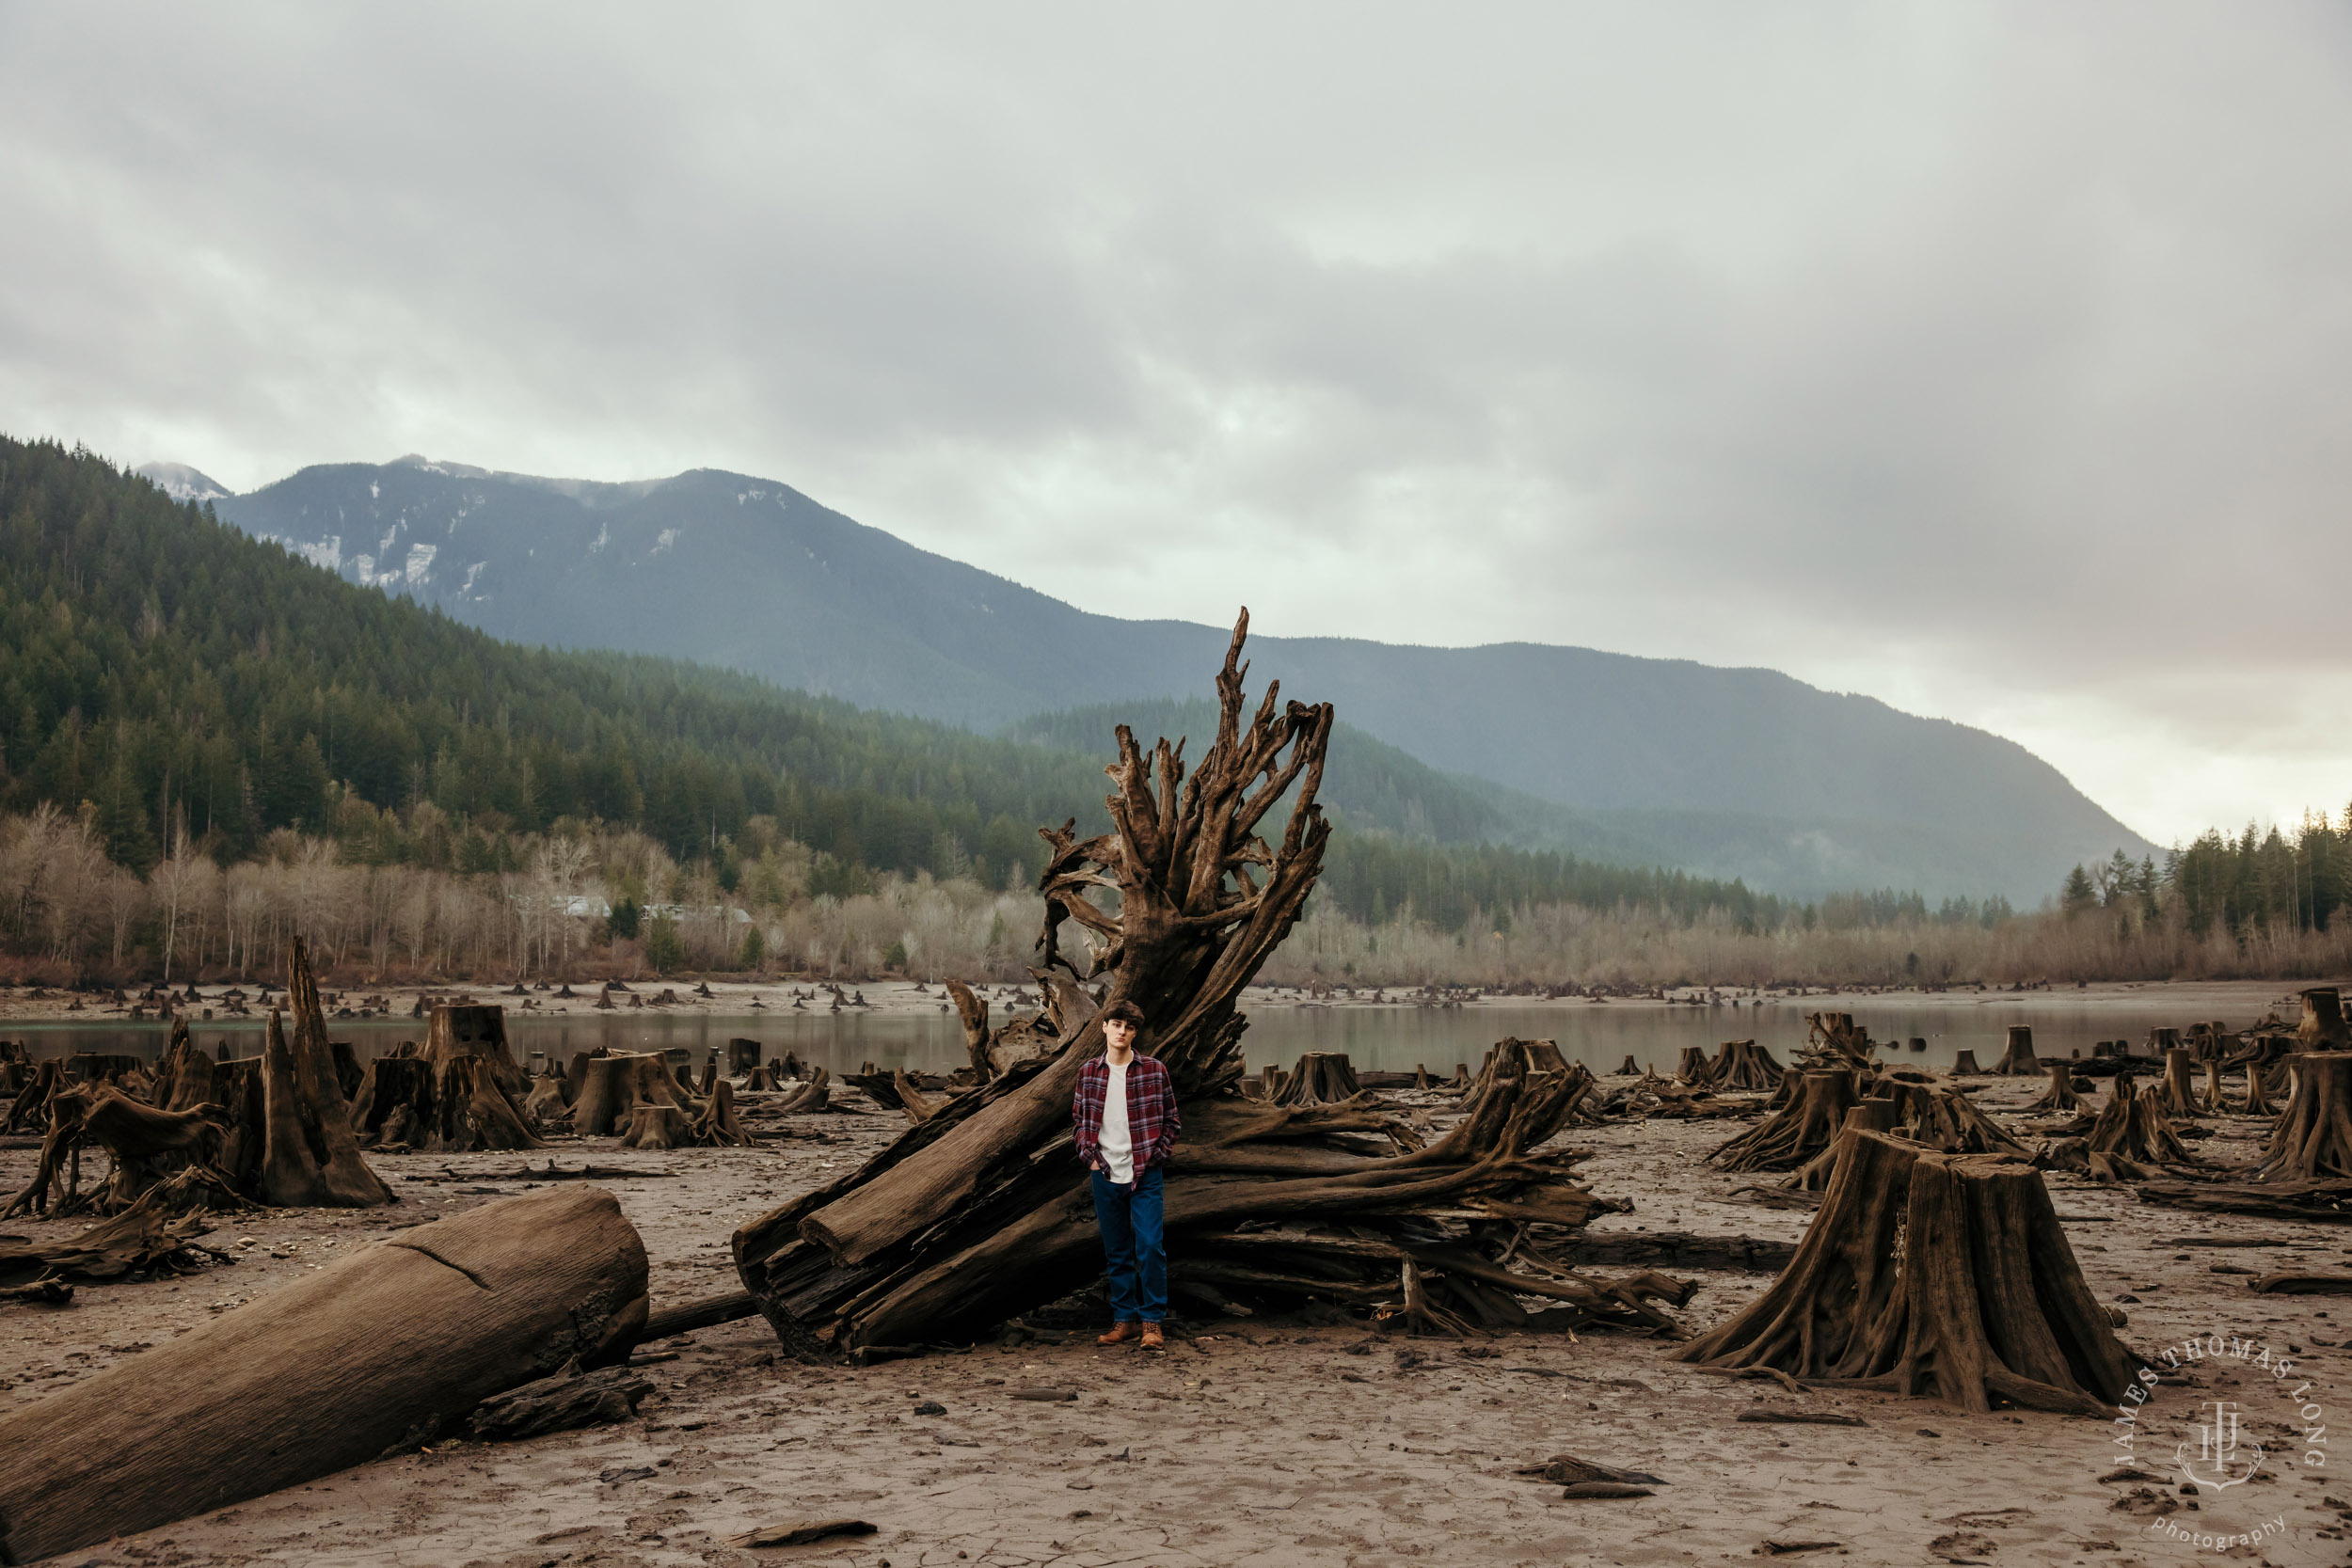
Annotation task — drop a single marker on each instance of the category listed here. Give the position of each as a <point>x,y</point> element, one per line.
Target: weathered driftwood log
<point>656,1127</point>
<point>1796,1134</point>
<point>1744,1067</point>
<point>616,1086</point>
<point>384,1348</point>
<point>2313,1138</point>
<point>545,1107</point>
<point>2019,1061</point>
<point>1321,1078</point>
<point>155,1236</point>
<point>569,1399</point>
<point>2177,1094</point>
<point>310,1158</point>
<point>2326,1202</point>
<point>2060,1095</point>
<point>1980,1301</point>
<point>1964,1065</point>
<point>1695,1069</point>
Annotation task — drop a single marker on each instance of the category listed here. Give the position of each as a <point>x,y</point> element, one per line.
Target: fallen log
<point>382,1350</point>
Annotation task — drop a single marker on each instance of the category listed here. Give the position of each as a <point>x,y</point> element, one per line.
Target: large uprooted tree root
<point>980,1210</point>
<point>1799,1130</point>
<point>1944,1275</point>
<point>2313,1139</point>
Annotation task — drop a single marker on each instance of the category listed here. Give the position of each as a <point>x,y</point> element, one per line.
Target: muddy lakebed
<point>1310,1438</point>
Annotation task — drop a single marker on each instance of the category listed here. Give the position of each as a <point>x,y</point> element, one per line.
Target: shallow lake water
<point>1397,1037</point>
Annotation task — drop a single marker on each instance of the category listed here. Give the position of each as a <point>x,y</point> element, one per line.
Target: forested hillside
<point>174,672</point>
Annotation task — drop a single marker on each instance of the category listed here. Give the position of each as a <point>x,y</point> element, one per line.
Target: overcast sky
<point>1993,362</point>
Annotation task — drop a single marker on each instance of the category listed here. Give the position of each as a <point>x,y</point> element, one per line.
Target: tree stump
<point>383,1349</point>
<point>1797,1132</point>
<point>471,1111</point>
<point>1743,1067</point>
<point>1836,1042</point>
<point>310,1158</point>
<point>1942,1117</point>
<point>2131,1134</point>
<point>2257,1101</point>
<point>1964,1065</point>
<point>1695,1069</point>
<point>813,1093</point>
<point>2323,1027</point>
<point>476,1031</point>
<point>718,1124</point>
<point>2019,1061</point>
<point>2060,1095</point>
<point>1321,1078</point>
<point>394,1105</point>
<point>1871,1115</point>
<point>2177,1094</point>
<point>2313,1139</point>
<point>614,1085</point>
<point>742,1058</point>
<point>1938,1275</point>
<point>1631,1069</point>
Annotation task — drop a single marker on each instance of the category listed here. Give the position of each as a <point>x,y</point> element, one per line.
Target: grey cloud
<point>1984,358</point>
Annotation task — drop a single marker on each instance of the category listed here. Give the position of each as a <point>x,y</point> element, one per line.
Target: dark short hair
<point>1125,1013</point>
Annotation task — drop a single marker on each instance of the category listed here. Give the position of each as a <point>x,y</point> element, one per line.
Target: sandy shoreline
<point>1250,1441</point>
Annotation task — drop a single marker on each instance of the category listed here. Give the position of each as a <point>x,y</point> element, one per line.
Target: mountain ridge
<point>1731,772</point>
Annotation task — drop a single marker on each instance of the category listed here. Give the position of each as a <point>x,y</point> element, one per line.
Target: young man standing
<point>1125,1112</point>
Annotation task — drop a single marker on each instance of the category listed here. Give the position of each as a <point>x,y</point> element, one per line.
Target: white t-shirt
<point>1116,1144</point>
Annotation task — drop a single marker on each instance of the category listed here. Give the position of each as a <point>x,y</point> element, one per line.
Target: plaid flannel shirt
<point>1152,1120</point>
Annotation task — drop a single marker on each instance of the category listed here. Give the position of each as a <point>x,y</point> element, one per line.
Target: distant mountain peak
<point>183,484</point>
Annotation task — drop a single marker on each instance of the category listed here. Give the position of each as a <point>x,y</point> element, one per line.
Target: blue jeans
<point>1134,1250</point>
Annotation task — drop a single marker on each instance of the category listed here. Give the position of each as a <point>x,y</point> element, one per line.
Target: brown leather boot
<point>1122,1332</point>
<point>1153,1338</point>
